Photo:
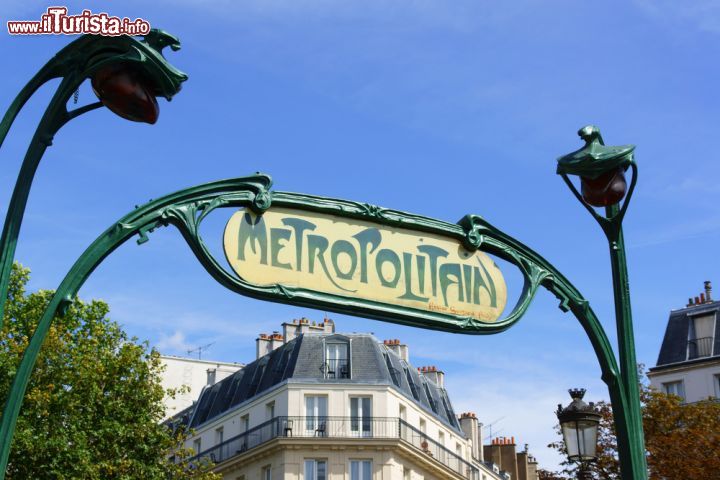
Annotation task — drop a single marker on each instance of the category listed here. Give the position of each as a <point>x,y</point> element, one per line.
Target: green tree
<point>94,403</point>
<point>682,440</point>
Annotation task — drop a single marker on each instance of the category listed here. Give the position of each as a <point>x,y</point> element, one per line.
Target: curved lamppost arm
<point>187,209</point>
<point>83,58</point>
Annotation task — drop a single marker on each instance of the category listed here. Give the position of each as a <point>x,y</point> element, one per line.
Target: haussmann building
<point>320,405</point>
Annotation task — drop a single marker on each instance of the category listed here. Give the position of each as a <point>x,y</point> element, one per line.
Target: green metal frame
<point>186,210</point>
<point>74,64</point>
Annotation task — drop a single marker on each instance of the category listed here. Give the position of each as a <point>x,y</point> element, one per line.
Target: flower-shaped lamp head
<point>601,168</point>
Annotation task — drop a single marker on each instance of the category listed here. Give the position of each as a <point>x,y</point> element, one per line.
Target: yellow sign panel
<point>360,259</point>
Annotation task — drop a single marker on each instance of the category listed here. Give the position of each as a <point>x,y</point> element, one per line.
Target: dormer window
<point>701,336</point>
<point>337,358</point>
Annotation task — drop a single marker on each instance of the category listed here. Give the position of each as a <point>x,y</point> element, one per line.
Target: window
<point>245,422</point>
<point>423,425</point>
<point>394,374</point>
<point>361,415</point>
<point>270,410</point>
<point>211,374</point>
<point>336,360</point>
<point>360,470</point>
<point>316,414</point>
<point>219,432</point>
<point>441,441</point>
<point>458,450</point>
<point>315,469</point>
<point>700,336</point>
<point>406,473</point>
<point>675,388</point>
<point>449,412</point>
<point>431,399</point>
<point>266,473</point>
<point>413,387</point>
<point>717,386</point>
<point>197,445</point>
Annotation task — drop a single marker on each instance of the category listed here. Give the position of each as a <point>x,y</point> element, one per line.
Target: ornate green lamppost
<point>127,75</point>
<point>602,178</point>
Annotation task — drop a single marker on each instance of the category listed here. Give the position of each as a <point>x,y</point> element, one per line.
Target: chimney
<point>289,330</point>
<point>328,325</point>
<point>708,291</point>
<point>433,374</point>
<point>473,430</point>
<point>400,349</point>
<point>502,452</point>
<point>211,376</point>
<point>276,340</point>
<point>304,325</point>
<point>523,463</point>
<point>262,345</point>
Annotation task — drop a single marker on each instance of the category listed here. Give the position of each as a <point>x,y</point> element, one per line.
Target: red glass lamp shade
<point>607,189</point>
<point>124,90</point>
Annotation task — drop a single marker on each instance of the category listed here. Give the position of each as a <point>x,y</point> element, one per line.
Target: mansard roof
<point>674,349</point>
<point>301,360</point>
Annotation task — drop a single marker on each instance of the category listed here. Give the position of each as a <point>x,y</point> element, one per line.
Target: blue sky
<point>438,108</point>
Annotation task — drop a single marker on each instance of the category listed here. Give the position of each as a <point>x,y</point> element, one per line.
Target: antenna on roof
<point>199,350</point>
<point>491,430</point>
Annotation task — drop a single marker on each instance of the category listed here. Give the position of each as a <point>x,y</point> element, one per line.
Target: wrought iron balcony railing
<point>339,428</point>
<point>700,347</point>
<point>336,368</point>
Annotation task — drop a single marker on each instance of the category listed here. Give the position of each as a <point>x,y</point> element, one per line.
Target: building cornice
<point>684,366</point>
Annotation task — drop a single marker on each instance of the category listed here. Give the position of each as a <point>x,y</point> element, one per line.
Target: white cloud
<point>173,344</point>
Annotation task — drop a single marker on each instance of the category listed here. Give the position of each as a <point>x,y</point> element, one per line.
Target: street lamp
<point>127,75</point>
<point>601,168</point>
<point>602,171</point>
<point>126,91</point>
<point>579,425</point>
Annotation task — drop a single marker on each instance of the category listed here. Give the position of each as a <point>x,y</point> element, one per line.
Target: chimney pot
<point>702,298</point>
<point>697,300</point>
<point>708,291</point>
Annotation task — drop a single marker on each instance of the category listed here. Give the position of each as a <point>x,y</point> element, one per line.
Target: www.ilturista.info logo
<point>56,21</point>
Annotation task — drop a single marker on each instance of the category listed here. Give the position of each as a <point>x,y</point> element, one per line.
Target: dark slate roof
<point>675,343</point>
<point>301,361</point>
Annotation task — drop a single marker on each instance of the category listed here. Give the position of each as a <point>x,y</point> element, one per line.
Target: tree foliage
<point>682,440</point>
<point>94,403</point>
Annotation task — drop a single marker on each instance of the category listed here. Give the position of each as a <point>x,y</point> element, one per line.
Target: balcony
<point>345,428</point>
<point>700,347</point>
<point>336,368</point>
